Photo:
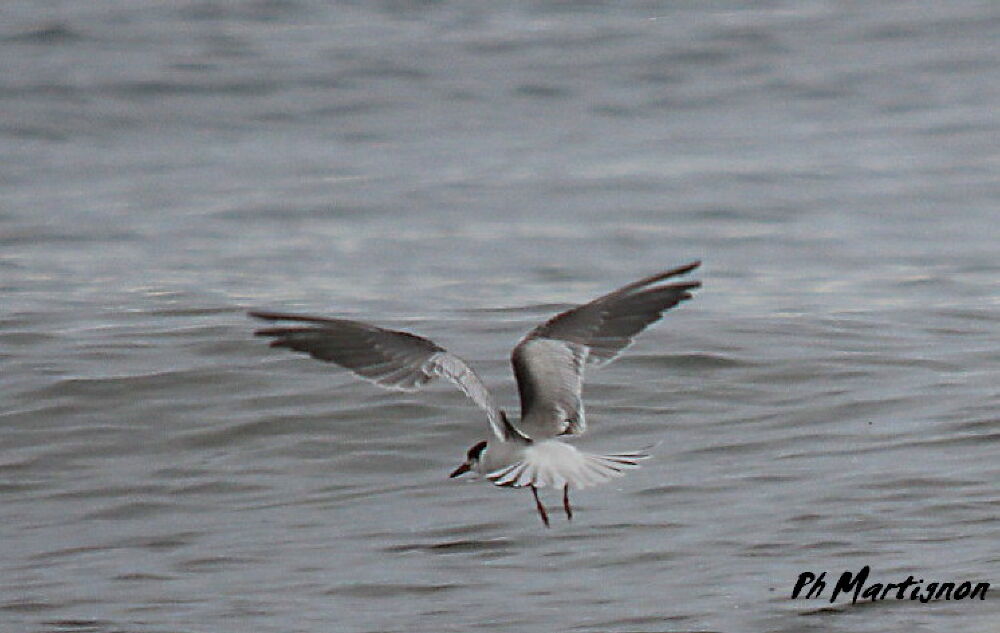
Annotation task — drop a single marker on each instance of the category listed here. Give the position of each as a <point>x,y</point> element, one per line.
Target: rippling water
<point>464,170</point>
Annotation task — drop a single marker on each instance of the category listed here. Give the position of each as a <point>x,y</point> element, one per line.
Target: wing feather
<point>388,358</point>
<point>549,361</point>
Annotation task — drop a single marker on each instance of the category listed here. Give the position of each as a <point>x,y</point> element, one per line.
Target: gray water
<point>464,170</point>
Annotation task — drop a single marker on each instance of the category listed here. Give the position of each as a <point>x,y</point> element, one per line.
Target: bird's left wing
<point>550,360</point>
<point>388,358</point>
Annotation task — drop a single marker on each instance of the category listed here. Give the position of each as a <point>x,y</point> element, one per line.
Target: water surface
<point>464,170</point>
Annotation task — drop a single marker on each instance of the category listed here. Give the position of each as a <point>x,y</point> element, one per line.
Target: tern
<point>548,365</point>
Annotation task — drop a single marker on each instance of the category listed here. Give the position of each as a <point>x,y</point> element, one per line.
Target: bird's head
<point>471,459</point>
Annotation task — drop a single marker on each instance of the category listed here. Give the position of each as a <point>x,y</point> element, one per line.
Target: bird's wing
<point>549,361</point>
<point>388,358</point>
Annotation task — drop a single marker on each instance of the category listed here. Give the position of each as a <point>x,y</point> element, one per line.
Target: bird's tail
<point>554,463</point>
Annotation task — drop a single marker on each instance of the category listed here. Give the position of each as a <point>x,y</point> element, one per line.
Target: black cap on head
<point>471,457</point>
<point>476,451</point>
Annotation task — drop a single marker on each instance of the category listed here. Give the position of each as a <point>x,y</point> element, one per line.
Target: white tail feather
<point>554,463</point>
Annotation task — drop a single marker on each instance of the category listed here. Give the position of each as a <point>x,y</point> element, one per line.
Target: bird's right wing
<point>388,358</point>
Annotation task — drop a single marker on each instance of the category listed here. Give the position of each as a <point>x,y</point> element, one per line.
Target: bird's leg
<point>541,509</point>
<point>569,510</point>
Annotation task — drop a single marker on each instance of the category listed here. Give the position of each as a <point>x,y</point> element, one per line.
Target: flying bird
<point>548,364</point>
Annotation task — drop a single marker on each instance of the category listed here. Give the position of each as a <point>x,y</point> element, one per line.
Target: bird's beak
<point>464,468</point>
